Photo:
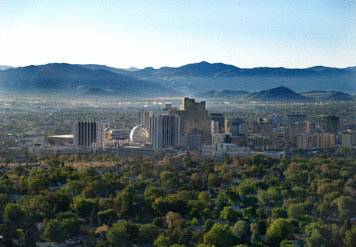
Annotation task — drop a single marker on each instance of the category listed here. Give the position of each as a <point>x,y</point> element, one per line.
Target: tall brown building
<point>194,118</point>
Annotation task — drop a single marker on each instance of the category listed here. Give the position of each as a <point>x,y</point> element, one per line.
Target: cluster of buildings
<point>191,127</point>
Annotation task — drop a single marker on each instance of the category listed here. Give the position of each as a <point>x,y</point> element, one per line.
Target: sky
<point>246,33</point>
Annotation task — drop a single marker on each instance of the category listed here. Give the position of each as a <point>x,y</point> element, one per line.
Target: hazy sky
<point>246,33</point>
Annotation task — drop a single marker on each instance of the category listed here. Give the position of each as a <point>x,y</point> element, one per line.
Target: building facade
<point>88,135</point>
<point>164,131</point>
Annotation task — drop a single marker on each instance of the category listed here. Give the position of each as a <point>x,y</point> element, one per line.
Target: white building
<point>164,131</point>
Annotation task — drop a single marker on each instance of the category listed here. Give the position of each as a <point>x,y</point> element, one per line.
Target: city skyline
<point>119,34</point>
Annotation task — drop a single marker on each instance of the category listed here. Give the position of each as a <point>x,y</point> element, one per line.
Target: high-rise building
<point>144,118</point>
<point>194,120</point>
<point>234,126</point>
<point>348,139</point>
<point>329,124</point>
<point>217,123</point>
<point>316,141</point>
<point>309,127</point>
<point>164,131</point>
<point>294,130</point>
<point>219,138</point>
<point>88,134</point>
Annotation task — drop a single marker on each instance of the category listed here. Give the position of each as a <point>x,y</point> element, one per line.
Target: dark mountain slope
<point>76,78</point>
<point>203,76</point>
<point>276,94</point>
<point>327,96</point>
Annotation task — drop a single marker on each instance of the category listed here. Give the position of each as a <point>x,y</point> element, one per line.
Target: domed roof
<point>139,135</point>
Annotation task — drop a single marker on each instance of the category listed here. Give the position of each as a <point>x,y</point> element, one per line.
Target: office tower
<point>88,134</point>
<point>190,141</point>
<point>261,126</point>
<point>348,139</point>
<point>294,130</point>
<point>296,127</point>
<point>217,123</point>
<point>329,124</point>
<point>234,126</point>
<point>164,131</point>
<point>144,118</point>
<point>309,127</point>
<point>316,141</point>
<point>307,141</point>
<point>326,140</point>
<point>194,120</point>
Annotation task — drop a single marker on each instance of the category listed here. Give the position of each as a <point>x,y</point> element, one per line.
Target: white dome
<point>139,135</point>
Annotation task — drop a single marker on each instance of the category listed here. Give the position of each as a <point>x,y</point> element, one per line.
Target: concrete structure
<point>190,141</point>
<point>309,127</point>
<point>229,150</point>
<point>194,119</point>
<point>316,141</point>
<point>328,124</point>
<point>88,135</point>
<point>348,140</point>
<point>164,131</point>
<point>217,123</point>
<point>144,118</point>
<point>118,134</point>
<point>63,140</point>
<point>235,126</point>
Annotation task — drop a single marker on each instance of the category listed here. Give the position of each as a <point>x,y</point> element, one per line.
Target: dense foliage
<point>180,201</point>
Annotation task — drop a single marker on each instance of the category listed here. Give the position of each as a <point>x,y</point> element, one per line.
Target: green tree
<point>14,215</point>
<point>107,216</point>
<point>319,234</point>
<point>122,234</point>
<point>147,233</point>
<point>161,241</point>
<point>241,230</point>
<point>278,230</point>
<point>58,230</point>
<point>228,213</point>
<point>220,236</point>
<point>350,237</point>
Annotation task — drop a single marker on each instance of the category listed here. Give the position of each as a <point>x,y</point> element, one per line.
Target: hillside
<point>4,67</point>
<point>203,76</point>
<point>276,94</point>
<point>328,96</point>
<point>78,79</point>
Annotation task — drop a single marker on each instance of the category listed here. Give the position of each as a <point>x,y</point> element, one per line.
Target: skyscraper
<point>194,119</point>
<point>88,134</point>
<point>144,118</point>
<point>164,131</point>
<point>234,126</point>
<point>217,123</point>
<point>329,124</point>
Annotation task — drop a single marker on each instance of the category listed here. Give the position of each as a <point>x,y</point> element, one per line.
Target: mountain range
<point>190,79</point>
<point>68,78</point>
<point>277,94</point>
<point>201,76</point>
<point>4,67</point>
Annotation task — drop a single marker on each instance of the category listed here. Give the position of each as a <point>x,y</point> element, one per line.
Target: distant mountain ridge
<point>191,79</point>
<point>78,79</point>
<point>327,96</point>
<point>202,76</point>
<point>278,94</point>
<point>4,67</point>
